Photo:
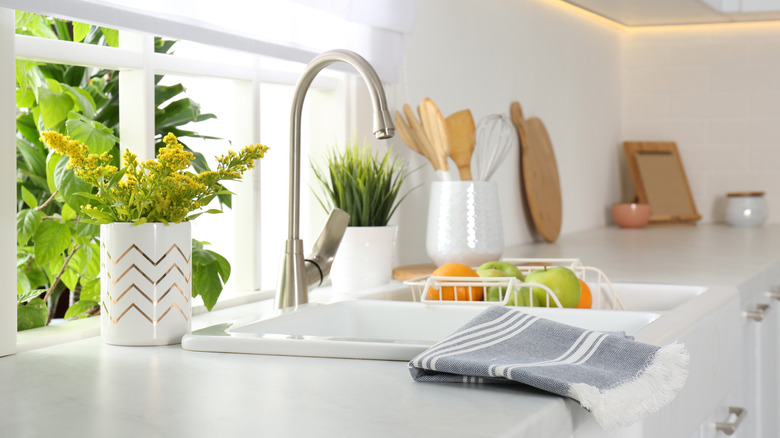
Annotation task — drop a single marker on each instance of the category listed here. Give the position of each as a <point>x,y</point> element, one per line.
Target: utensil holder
<point>464,223</point>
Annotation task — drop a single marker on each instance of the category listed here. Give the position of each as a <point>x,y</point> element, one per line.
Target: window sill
<point>89,327</point>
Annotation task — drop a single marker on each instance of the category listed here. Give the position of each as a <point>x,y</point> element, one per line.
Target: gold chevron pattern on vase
<point>143,274</point>
<point>130,286</point>
<point>133,286</point>
<point>134,247</point>
<point>147,317</point>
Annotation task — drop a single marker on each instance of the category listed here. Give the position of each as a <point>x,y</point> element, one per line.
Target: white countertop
<point>86,388</point>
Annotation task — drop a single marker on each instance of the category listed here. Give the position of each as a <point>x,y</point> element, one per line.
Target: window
<point>256,78</point>
<point>251,97</point>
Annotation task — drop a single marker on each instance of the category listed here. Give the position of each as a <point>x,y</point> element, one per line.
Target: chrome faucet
<point>299,273</point>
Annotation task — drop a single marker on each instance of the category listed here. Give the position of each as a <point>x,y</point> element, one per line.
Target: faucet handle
<point>318,263</point>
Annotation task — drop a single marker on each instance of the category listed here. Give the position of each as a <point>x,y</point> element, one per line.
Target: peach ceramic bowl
<point>631,215</point>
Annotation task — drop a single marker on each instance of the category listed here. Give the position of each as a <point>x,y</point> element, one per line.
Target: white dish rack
<point>604,295</point>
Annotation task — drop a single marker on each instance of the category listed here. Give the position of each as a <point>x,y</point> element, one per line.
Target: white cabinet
<point>775,302</point>
<point>725,419</point>
<point>760,367</point>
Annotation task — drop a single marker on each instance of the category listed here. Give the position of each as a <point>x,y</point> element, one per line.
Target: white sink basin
<point>374,329</point>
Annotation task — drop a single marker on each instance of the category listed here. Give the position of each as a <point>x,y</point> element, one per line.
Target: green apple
<point>521,299</point>
<point>561,280</point>
<point>507,268</point>
<point>493,292</point>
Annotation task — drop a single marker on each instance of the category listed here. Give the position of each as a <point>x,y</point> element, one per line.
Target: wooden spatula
<point>436,128</point>
<point>461,133</point>
<point>406,133</point>
<point>419,137</point>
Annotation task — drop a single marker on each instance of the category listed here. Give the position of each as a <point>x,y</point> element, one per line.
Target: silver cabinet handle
<point>773,295</point>
<point>758,314</point>
<point>729,427</point>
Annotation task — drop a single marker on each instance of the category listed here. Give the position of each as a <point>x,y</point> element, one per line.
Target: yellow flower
<point>159,190</point>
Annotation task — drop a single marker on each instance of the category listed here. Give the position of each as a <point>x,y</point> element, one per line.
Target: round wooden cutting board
<point>540,174</point>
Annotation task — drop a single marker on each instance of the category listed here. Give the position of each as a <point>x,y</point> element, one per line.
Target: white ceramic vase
<point>364,259</point>
<point>464,223</point>
<point>145,283</point>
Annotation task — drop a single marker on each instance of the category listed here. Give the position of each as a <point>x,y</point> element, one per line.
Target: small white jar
<point>746,209</point>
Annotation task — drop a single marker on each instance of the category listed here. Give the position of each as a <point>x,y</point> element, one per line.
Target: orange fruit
<point>586,298</point>
<point>449,293</point>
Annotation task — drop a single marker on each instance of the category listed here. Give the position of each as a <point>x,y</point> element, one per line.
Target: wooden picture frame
<point>659,179</point>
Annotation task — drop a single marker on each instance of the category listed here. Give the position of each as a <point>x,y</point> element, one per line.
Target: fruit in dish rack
<point>562,281</point>
<point>461,293</point>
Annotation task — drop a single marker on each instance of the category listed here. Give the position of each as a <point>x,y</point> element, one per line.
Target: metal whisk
<point>495,136</point>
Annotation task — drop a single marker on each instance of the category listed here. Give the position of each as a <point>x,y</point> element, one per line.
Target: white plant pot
<point>145,283</point>
<point>364,259</point>
<point>464,223</point>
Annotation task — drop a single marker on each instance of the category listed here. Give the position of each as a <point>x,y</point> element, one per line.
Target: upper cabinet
<point>676,12</point>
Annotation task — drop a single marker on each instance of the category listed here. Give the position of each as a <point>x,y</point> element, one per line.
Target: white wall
<point>562,66</point>
<point>715,90</point>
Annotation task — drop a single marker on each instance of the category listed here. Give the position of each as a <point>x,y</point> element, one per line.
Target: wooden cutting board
<point>409,272</point>
<point>540,174</point>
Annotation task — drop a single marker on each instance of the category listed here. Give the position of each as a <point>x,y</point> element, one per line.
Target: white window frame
<point>139,63</point>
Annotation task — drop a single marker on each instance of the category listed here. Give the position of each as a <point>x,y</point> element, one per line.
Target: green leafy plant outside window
<point>57,251</point>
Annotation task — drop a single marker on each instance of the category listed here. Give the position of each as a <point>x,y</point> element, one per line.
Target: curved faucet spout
<point>292,289</point>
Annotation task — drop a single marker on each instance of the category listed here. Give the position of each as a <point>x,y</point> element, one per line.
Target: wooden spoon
<point>408,136</point>
<point>406,133</point>
<point>419,136</point>
<point>461,132</point>
<point>436,128</point>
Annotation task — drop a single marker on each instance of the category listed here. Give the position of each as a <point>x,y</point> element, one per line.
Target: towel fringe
<point>654,387</point>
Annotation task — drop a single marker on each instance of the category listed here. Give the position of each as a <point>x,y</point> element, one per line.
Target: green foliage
<point>210,271</point>
<point>362,184</point>
<point>31,315</point>
<point>56,250</point>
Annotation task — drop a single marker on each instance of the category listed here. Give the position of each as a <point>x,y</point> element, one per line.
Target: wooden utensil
<point>460,126</point>
<point>406,133</point>
<point>409,272</point>
<point>436,128</point>
<point>420,137</point>
<point>540,174</point>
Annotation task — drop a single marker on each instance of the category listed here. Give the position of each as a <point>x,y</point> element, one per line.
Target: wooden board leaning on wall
<point>659,179</point>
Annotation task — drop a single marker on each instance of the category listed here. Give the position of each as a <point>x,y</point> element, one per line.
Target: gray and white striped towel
<point>618,380</point>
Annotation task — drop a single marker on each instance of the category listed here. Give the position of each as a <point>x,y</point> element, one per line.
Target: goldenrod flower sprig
<point>161,190</point>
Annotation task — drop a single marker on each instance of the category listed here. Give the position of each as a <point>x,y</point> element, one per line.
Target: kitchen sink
<point>377,329</point>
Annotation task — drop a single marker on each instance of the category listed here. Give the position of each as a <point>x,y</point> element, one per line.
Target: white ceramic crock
<point>145,283</point>
<point>746,209</point>
<point>464,223</point>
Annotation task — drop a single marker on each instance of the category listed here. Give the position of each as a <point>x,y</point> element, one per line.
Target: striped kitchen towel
<point>618,380</point>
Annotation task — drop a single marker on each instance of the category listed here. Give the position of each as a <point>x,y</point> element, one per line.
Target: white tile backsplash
<point>766,104</point>
<point>698,54</point>
<point>765,52</point>
<point>743,78</point>
<point>671,79</point>
<point>648,106</point>
<point>764,157</point>
<point>707,105</point>
<point>716,92</point>
<point>752,130</point>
